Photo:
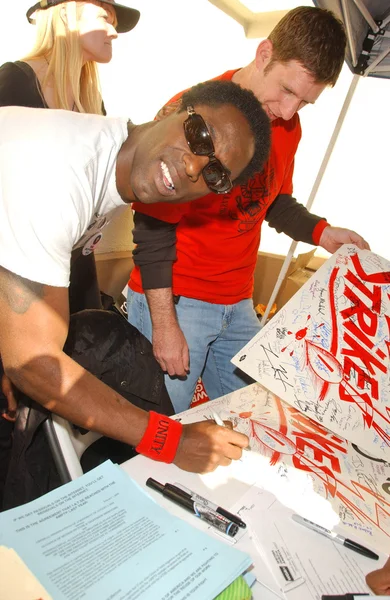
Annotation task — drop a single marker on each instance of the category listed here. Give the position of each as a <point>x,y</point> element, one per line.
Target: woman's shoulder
<point>19,86</point>
<point>17,70</point>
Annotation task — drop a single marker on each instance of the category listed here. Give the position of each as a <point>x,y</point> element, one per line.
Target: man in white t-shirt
<point>61,176</point>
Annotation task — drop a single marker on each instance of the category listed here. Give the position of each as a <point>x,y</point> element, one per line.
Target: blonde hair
<point>58,41</point>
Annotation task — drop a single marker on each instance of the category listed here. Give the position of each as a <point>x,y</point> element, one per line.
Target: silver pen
<point>217,419</point>
<point>335,537</point>
<point>218,509</point>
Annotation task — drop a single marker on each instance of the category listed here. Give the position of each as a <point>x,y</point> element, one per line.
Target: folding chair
<point>67,445</point>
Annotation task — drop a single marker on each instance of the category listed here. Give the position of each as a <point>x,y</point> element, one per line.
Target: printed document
<point>304,564</point>
<point>101,537</point>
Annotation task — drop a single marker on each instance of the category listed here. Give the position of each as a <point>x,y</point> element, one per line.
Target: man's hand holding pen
<point>205,445</point>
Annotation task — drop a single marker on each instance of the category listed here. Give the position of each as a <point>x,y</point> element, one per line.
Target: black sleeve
<point>18,86</point>
<point>288,216</point>
<point>155,251</point>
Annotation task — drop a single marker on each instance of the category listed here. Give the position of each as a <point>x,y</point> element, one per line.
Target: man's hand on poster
<point>171,350</point>
<point>333,238</point>
<point>379,580</point>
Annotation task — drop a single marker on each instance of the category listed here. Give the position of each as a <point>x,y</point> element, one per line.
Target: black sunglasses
<point>198,137</point>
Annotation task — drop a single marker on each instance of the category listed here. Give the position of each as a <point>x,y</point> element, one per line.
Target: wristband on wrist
<point>161,438</point>
<point>317,231</point>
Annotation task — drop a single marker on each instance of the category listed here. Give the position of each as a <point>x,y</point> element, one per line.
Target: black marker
<point>201,511</point>
<point>346,597</point>
<point>218,509</point>
<point>336,537</point>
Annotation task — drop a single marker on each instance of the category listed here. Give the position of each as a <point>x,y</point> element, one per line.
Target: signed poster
<point>308,468</point>
<point>326,352</point>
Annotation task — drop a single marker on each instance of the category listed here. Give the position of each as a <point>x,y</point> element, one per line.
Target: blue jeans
<point>214,334</point>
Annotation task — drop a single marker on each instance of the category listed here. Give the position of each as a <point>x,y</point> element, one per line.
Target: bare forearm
<point>162,307</point>
<point>64,387</point>
<point>169,344</point>
<point>34,322</point>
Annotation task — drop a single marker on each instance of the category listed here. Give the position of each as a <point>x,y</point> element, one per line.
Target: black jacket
<point>105,344</point>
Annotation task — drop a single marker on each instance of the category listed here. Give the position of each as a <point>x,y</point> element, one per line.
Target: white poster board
<point>326,352</point>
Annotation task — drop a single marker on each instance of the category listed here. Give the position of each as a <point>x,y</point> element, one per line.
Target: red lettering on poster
<point>367,319</point>
<point>363,379</point>
<point>357,351</point>
<point>383,277</point>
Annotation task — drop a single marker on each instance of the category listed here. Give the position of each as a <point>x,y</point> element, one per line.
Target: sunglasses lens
<point>199,140</point>
<point>216,177</point>
<point>197,135</point>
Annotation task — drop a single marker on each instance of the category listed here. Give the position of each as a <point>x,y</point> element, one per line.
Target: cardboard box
<point>266,274</point>
<point>268,269</point>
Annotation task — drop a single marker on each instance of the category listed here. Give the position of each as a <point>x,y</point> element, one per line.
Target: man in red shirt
<point>195,262</point>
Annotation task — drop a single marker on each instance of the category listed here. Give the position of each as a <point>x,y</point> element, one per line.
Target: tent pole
<point>348,31</point>
<point>314,191</point>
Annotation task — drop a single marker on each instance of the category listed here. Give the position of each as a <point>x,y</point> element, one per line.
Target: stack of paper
<point>303,564</point>
<point>17,581</point>
<point>101,537</point>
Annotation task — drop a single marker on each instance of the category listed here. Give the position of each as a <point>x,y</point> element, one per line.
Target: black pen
<point>336,537</point>
<point>201,511</point>
<point>344,596</point>
<point>213,506</point>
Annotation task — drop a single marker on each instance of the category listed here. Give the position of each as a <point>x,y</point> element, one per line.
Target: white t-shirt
<point>57,187</point>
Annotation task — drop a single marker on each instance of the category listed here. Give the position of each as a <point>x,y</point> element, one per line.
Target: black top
<point>19,86</point>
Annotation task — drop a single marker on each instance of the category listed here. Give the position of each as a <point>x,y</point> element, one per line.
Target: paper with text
<point>101,536</point>
<point>314,564</point>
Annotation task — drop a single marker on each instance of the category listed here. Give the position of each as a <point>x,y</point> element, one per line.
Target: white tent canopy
<point>367,23</point>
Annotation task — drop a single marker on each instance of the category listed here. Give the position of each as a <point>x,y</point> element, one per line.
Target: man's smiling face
<point>165,170</point>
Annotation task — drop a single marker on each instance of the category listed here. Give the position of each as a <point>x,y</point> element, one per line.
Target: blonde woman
<point>61,69</point>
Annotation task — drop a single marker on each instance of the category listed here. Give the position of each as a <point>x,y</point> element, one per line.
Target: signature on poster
<point>327,352</point>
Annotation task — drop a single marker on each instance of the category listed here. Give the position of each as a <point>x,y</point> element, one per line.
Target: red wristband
<point>161,438</point>
<point>317,231</point>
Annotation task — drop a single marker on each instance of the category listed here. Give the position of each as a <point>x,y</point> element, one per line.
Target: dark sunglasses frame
<point>197,134</point>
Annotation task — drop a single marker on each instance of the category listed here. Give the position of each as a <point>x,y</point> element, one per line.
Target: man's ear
<point>263,54</point>
<point>168,109</point>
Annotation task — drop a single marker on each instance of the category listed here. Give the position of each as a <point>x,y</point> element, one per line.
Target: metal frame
<point>56,451</point>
